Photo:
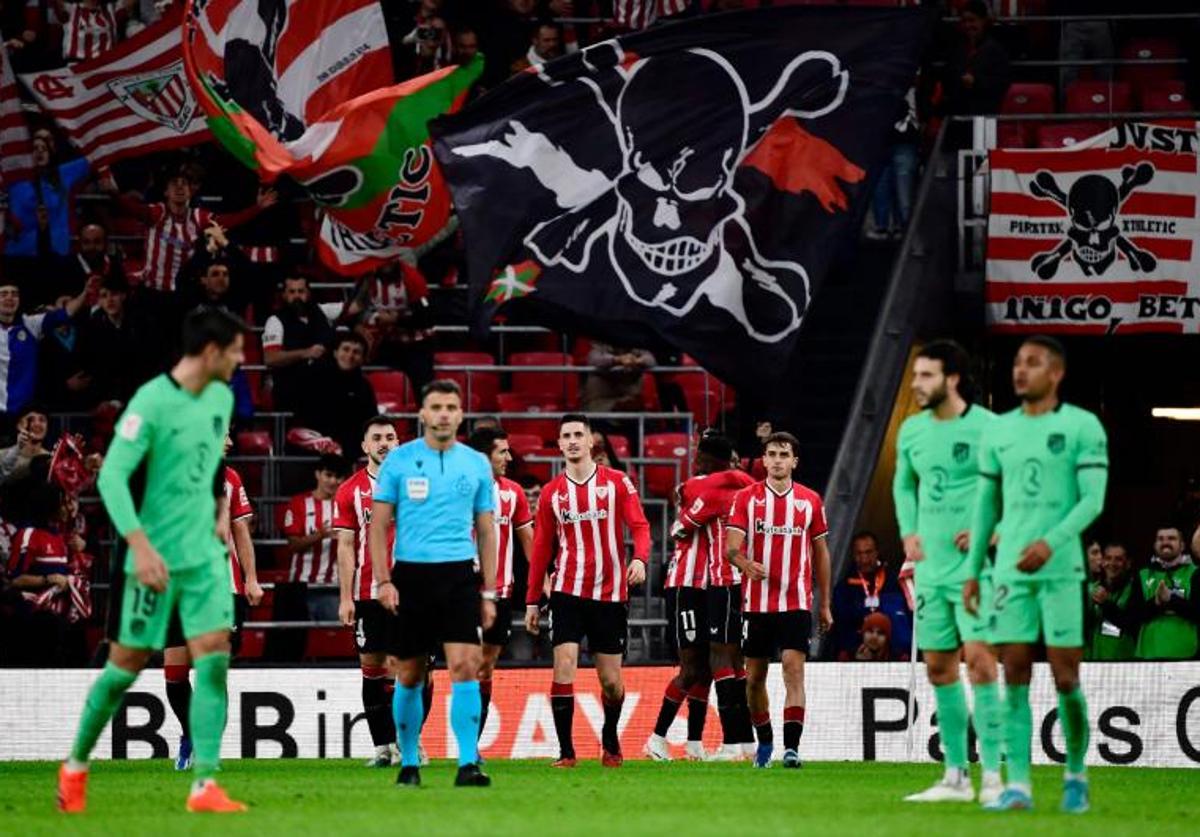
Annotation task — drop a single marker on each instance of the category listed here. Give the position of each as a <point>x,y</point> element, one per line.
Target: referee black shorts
<point>438,603</point>
<point>687,614</point>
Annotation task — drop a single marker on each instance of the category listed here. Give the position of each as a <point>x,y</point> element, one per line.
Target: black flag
<point>683,183</point>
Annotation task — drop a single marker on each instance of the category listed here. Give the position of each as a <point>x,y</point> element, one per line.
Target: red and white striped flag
<point>133,99</point>
<point>638,14</point>
<point>16,152</point>
<point>1101,237</point>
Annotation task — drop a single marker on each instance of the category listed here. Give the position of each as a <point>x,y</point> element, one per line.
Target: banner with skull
<point>686,184</point>
<point>1099,238</point>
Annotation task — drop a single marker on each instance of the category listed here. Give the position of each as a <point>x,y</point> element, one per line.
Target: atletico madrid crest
<point>161,96</point>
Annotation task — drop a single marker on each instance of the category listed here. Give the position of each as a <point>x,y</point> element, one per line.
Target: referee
<point>437,491</point>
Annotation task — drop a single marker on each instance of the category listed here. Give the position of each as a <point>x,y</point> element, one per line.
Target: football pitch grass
<point>343,797</point>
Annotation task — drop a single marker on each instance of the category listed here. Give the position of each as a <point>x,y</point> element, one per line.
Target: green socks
<point>1072,714</point>
<point>952,722</point>
<point>1018,730</point>
<point>207,716</point>
<point>103,701</point>
<point>989,725</point>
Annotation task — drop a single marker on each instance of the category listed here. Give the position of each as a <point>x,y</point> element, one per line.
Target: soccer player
<point>514,521</point>
<point>437,491</point>
<point>776,538</point>
<point>169,444</point>
<point>1043,470</point>
<point>586,509</point>
<point>243,580</point>
<point>937,468</point>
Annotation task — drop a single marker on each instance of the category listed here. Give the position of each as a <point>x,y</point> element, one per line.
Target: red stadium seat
<point>1099,97</point>
<point>525,443</point>
<point>392,391</point>
<point>1149,48</point>
<point>560,386</point>
<point>703,395</point>
<point>543,471</point>
<point>254,443</point>
<point>1066,134</point>
<point>1163,96</point>
<point>253,348</point>
<point>253,643</point>
<point>482,386</point>
<point>545,429</point>
<point>661,479</point>
<point>620,446</point>
<point>1023,98</point>
<point>329,644</point>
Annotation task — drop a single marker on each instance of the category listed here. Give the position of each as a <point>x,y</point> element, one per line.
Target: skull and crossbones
<point>1093,236</point>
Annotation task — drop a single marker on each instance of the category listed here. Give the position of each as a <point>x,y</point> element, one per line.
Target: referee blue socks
<point>465,706</point>
<point>407,713</point>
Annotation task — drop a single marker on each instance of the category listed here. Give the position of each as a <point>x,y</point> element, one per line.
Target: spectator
<point>891,202</point>
<point>33,423</point>
<point>62,382</point>
<point>114,343</point>
<point>869,588</point>
<point>466,46</point>
<point>22,332</point>
<point>1086,40</point>
<point>617,382</point>
<point>754,466</point>
<point>294,339</point>
<point>1170,601</point>
<point>876,632</point>
<point>545,45</point>
<point>603,452</point>
<point>39,209</point>
<point>311,539</point>
<point>90,27</point>
<point>428,44</point>
<point>338,397</point>
<point>399,322</point>
<point>1112,624</point>
<point>508,38</point>
<point>977,69</point>
<point>533,490</point>
<point>1095,561</point>
<point>92,258</point>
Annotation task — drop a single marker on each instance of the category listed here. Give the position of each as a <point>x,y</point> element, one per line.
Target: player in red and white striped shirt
<point>776,537</point>
<point>586,509</point>
<point>514,523</point>
<point>308,525</point>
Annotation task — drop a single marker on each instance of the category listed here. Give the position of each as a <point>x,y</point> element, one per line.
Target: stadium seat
<point>525,443</point>
<point>1023,98</point>
<point>560,386</point>
<point>329,644</point>
<point>703,395</point>
<point>254,443</point>
<point>545,429</point>
<point>482,386</point>
<point>1163,96</point>
<point>1098,97</point>
<point>253,643</point>
<point>1149,48</point>
<point>392,391</point>
<point>620,446</point>
<point>1066,134</point>
<point>253,348</point>
<point>661,479</point>
<point>543,471</point>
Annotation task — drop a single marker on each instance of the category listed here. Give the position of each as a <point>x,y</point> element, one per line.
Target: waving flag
<point>293,88</point>
<point>684,183</point>
<point>16,150</point>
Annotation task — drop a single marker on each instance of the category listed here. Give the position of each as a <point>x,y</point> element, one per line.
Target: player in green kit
<point>1043,469</point>
<point>162,485</point>
<point>937,468</point>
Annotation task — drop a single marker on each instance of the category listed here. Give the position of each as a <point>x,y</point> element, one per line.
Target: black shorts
<point>764,634</point>
<point>438,603</point>
<point>687,617</point>
<point>175,637</point>
<point>603,623</point>
<point>725,614</point>
<point>372,627</point>
<point>501,631</point>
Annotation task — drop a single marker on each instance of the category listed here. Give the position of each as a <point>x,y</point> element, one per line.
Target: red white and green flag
<point>293,88</point>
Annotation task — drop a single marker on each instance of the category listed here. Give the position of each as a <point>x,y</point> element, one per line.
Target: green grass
<point>342,797</point>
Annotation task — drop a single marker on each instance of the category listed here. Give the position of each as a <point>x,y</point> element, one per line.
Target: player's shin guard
<point>464,720</point>
<point>673,697</point>
<point>377,705</point>
<point>103,700</point>
<point>179,693</point>
<point>562,704</point>
<point>485,700</point>
<point>610,737</point>
<point>406,714</point>
<point>728,706</point>
<point>207,716</point>
<point>697,710</point>
<point>951,701</point>
<point>1018,729</point>
<point>1072,714</point>
<point>989,725</point>
<point>762,727</point>
<point>793,727</point>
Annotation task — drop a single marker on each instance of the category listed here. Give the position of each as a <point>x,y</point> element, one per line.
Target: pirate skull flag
<point>683,183</point>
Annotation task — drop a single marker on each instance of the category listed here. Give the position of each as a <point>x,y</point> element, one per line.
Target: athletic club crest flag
<point>686,183</point>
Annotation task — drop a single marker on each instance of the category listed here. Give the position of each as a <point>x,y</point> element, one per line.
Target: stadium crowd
<point>100,266</point>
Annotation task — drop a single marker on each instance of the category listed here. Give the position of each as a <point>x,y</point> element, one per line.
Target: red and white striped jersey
<point>304,515</point>
<point>239,509</point>
<point>88,32</point>
<point>780,529</point>
<point>352,513</point>
<point>170,241</point>
<point>512,513</point>
<point>638,14</point>
<point>588,520</point>
<point>40,552</point>
<point>704,511</point>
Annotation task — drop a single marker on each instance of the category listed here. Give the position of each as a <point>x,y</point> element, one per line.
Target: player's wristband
<point>488,595</point>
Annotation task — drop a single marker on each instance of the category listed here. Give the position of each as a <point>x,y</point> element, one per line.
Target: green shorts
<point>943,623</point>
<point>138,616</point>
<point>1024,611</point>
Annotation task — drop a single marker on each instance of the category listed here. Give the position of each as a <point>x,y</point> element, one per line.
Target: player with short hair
<point>437,491</point>
<point>169,443</point>
<point>937,468</point>
<point>776,537</point>
<point>1043,470</point>
<point>586,509</point>
<point>514,521</point>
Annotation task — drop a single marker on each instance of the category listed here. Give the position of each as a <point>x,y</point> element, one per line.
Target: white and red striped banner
<point>133,99</point>
<point>16,151</point>
<point>1098,238</point>
<point>638,14</point>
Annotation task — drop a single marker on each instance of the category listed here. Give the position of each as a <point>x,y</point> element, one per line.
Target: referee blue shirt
<point>437,495</point>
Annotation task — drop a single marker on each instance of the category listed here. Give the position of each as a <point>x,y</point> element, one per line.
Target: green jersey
<point>173,441</point>
<point>1050,471</point>
<point>937,471</point>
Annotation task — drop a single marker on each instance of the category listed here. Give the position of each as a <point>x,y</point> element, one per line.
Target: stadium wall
<point>1145,715</point>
